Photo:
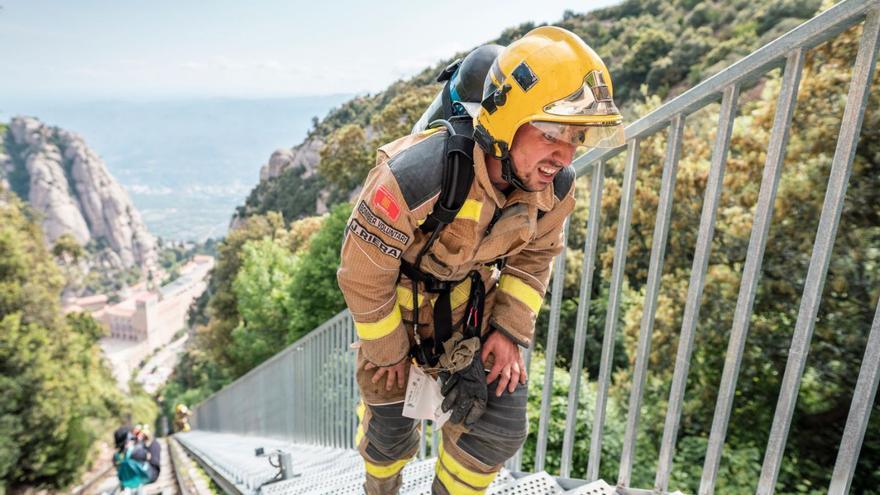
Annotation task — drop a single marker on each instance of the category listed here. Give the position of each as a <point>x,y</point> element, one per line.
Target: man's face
<point>538,157</point>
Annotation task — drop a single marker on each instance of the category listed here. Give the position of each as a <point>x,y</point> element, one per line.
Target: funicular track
<point>177,475</point>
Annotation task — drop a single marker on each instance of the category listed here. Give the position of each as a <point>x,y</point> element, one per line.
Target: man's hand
<point>508,365</point>
<point>394,373</point>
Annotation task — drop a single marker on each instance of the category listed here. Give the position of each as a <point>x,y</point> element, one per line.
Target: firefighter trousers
<point>469,457</point>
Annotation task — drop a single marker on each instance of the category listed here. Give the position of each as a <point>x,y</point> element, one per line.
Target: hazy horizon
<point>185,163</point>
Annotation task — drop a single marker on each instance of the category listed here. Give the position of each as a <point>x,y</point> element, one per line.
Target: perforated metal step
<point>322,470</point>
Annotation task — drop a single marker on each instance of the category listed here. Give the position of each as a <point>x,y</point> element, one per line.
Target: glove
<point>464,392</point>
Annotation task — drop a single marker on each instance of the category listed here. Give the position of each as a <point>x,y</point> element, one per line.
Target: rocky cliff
<point>305,155</point>
<point>68,183</point>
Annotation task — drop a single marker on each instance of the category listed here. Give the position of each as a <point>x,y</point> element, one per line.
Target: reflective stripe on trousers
<point>469,457</point>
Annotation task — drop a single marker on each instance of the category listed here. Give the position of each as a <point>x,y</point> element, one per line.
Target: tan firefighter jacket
<point>397,197</point>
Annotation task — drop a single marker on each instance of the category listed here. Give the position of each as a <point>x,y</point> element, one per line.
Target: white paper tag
<point>423,398</point>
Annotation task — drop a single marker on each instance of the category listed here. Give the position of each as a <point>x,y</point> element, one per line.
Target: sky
<point>90,49</point>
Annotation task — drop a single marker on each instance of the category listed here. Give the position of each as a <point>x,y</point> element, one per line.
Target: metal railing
<point>305,393</point>
<point>289,396</point>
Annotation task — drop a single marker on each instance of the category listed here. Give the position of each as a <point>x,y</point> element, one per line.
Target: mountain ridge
<point>64,180</point>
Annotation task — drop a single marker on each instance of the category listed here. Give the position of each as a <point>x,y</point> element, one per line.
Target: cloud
<point>145,190</point>
<point>272,65</point>
<point>191,65</point>
<point>222,63</point>
<point>217,190</point>
<point>235,188</point>
<point>411,65</point>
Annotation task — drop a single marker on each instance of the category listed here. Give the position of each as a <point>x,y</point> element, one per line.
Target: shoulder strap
<point>561,185</point>
<point>458,174</point>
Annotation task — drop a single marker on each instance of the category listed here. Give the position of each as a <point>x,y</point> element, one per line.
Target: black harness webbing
<point>428,351</point>
<point>458,175</point>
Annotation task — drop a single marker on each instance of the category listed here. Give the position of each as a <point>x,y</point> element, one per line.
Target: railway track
<point>177,476</point>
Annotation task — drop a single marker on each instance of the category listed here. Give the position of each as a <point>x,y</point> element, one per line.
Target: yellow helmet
<point>551,79</point>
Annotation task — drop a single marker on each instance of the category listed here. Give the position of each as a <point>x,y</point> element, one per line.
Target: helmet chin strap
<point>509,174</point>
<point>489,144</point>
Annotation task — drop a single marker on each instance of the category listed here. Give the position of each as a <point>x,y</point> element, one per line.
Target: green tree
<point>314,291</point>
<point>66,246</point>
<point>345,158</point>
<point>293,194</point>
<point>222,307</point>
<point>262,288</point>
<point>58,396</point>
<point>397,118</point>
<point>301,233</point>
<point>270,286</point>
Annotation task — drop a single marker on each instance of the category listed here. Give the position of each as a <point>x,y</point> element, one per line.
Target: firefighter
<point>181,418</point>
<point>460,298</point>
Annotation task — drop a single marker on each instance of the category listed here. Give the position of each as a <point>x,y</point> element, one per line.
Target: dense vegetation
<point>655,50</point>
<point>271,285</point>
<point>58,396</point>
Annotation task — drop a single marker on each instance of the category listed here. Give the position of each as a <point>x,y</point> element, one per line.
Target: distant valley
<point>186,164</point>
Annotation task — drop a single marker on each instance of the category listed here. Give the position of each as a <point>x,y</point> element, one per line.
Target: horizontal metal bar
<point>859,413</point>
<point>620,246</point>
<point>751,271</point>
<point>652,291</point>
<point>835,194</point>
<point>696,285</point>
<point>809,34</point>
<point>583,314</point>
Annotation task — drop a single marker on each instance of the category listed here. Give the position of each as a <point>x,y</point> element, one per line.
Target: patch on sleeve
<point>384,201</point>
<point>377,222</point>
<point>373,239</point>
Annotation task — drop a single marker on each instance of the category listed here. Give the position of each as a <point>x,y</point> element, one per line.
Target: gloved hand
<point>464,392</point>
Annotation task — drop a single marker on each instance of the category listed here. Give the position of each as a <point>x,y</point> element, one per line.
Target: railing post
<point>696,285</point>
<point>859,413</point>
<point>751,272</point>
<point>353,389</point>
<point>655,272</point>
<point>597,182</point>
<point>550,351</point>
<point>620,245</point>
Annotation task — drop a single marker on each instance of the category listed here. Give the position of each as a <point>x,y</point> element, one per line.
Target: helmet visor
<point>592,98</point>
<point>590,136</point>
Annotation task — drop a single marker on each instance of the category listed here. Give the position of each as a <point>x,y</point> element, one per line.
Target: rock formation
<point>306,154</point>
<point>70,186</point>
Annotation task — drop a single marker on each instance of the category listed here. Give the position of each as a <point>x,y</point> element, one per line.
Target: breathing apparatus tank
<point>463,86</point>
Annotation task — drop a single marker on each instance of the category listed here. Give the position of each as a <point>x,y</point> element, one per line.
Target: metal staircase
<point>303,398</point>
<point>321,470</point>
